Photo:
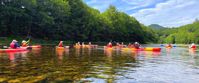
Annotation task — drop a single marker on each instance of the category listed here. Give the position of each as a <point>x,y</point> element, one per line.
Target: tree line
<point>180,35</point>
<point>71,20</point>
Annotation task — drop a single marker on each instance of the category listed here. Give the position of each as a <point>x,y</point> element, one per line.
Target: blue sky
<point>169,13</point>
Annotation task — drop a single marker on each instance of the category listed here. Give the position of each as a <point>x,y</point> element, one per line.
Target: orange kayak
<point>108,48</point>
<point>35,46</point>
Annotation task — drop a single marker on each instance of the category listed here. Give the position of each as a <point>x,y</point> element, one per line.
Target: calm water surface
<point>176,65</point>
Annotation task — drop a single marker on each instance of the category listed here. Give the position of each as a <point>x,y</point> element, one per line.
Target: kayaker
<point>89,43</point>
<point>136,45</point>
<point>14,44</point>
<point>83,44</point>
<point>130,45</point>
<point>24,43</point>
<point>118,45</point>
<point>109,45</point>
<point>78,44</point>
<point>169,45</point>
<point>192,46</point>
<point>60,44</point>
<point>122,44</point>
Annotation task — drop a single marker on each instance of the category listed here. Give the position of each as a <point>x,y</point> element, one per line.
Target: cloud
<point>170,13</point>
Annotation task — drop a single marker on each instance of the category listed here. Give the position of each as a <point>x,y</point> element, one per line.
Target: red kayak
<point>13,50</point>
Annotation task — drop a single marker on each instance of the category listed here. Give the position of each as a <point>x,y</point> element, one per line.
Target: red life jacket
<point>109,45</point>
<point>60,44</point>
<point>194,46</point>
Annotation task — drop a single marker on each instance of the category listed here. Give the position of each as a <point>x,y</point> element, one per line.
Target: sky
<point>168,13</point>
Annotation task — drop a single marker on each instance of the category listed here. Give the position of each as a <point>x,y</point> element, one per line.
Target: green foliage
<point>69,20</point>
<point>183,35</point>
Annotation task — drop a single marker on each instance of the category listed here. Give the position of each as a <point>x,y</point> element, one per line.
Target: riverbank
<point>5,41</point>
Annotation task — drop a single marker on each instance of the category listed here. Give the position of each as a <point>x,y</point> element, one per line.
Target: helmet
<point>136,43</point>
<point>23,41</point>
<point>14,41</point>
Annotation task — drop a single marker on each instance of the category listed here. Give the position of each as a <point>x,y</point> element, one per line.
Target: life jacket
<point>60,44</point>
<point>193,46</point>
<point>12,45</point>
<point>23,44</point>
<point>109,45</point>
<point>137,46</point>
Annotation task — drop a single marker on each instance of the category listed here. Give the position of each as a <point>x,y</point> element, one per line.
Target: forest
<point>179,35</point>
<point>70,20</point>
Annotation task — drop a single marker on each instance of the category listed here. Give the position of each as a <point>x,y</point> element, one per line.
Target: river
<point>175,65</point>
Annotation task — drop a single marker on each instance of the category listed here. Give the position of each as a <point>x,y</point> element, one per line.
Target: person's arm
<point>27,42</point>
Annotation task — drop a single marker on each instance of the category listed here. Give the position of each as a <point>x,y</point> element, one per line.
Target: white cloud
<point>171,13</point>
<point>134,4</point>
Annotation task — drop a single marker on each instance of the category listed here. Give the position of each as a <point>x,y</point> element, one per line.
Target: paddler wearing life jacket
<point>89,43</point>
<point>14,44</point>
<point>78,44</point>
<point>122,44</point>
<point>192,45</point>
<point>130,45</point>
<point>169,45</point>
<point>136,45</point>
<point>60,44</point>
<point>109,45</point>
<point>118,45</point>
<point>24,43</point>
<point>83,45</point>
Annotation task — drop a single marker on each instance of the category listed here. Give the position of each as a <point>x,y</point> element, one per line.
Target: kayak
<point>152,49</point>
<point>142,49</point>
<point>108,48</point>
<point>126,49</point>
<point>62,48</point>
<point>77,46</point>
<point>168,46</point>
<point>13,50</point>
<point>32,47</point>
<point>35,46</point>
<point>85,46</point>
<point>90,46</point>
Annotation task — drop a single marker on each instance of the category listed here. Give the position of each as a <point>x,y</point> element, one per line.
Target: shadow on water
<point>96,65</point>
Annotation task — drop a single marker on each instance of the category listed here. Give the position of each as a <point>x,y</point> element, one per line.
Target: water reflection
<point>168,50</point>
<point>192,52</point>
<point>100,66</point>
<point>108,52</point>
<point>17,56</point>
<point>36,51</point>
<point>151,54</point>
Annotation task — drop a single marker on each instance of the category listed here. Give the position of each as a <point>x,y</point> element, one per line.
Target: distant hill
<point>185,34</point>
<point>156,26</point>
